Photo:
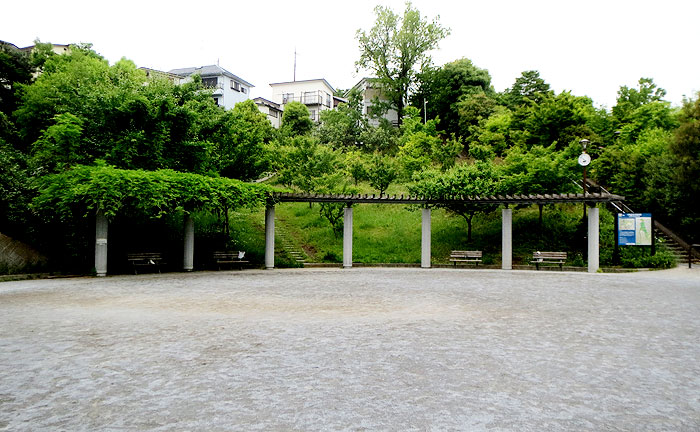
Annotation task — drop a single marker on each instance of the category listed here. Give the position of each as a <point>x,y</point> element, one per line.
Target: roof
<point>262,101</point>
<point>361,82</point>
<point>309,80</point>
<point>157,72</point>
<point>208,71</point>
<point>481,200</point>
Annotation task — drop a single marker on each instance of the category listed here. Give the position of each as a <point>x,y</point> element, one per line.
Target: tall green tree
<point>629,99</point>
<point>528,88</point>
<point>296,120</point>
<point>241,147</point>
<point>396,48</point>
<point>450,93</point>
<point>343,126</point>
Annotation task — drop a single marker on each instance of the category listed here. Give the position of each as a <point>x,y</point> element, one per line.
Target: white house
<point>369,93</point>
<point>316,94</point>
<point>271,109</point>
<point>227,88</point>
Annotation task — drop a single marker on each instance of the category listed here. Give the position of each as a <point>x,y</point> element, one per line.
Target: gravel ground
<point>358,350</point>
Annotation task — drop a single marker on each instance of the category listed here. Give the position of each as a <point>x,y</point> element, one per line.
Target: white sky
<point>588,47</point>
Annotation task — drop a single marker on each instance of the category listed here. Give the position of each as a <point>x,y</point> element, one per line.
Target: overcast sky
<point>588,47</point>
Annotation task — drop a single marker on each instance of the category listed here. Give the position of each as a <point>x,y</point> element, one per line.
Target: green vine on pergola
<point>83,190</point>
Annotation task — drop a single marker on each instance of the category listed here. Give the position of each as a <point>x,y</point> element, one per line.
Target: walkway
<point>360,349</point>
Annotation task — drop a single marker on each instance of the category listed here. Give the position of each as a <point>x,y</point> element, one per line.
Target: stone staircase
<point>289,245</point>
<point>677,246</point>
<point>678,251</point>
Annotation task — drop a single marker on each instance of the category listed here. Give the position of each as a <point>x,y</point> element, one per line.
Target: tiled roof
<point>208,71</point>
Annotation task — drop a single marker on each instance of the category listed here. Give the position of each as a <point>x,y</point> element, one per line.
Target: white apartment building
<point>316,94</point>
<point>227,88</point>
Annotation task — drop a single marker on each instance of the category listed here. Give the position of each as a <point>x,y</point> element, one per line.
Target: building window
<point>236,86</point>
<point>209,82</point>
<point>312,114</point>
<point>287,97</point>
<point>244,90</point>
<point>272,113</point>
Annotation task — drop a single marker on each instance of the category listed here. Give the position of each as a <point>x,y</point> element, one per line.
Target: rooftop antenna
<point>295,64</point>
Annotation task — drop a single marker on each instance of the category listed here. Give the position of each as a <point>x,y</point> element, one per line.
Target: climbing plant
<point>83,190</point>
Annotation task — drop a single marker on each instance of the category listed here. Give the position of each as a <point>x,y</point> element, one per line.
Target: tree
<point>125,120</point>
<point>396,48</point>
<point>629,99</point>
<point>556,119</point>
<point>527,88</point>
<point>445,89</point>
<point>296,120</point>
<point>241,150</point>
<point>381,172</point>
<point>304,161</point>
<point>480,178</point>
<point>343,126</point>
<point>685,148</point>
<point>15,69</point>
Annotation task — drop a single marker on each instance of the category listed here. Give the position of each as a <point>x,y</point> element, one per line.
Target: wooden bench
<point>234,258</point>
<point>465,257</point>
<point>548,258</point>
<point>145,259</point>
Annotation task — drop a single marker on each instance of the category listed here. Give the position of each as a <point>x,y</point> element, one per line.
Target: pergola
<point>590,199</point>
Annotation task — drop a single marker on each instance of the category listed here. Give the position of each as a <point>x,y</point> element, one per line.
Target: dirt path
<point>361,349</point>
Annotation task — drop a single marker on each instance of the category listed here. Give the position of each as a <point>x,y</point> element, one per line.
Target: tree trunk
<point>469,228</point>
<point>227,228</point>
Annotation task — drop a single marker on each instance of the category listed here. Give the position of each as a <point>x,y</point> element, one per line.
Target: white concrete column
<point>593,239</point>
<point>188,252</point>
<point>347,238</point>
<point>507,239</point>
<point>101,228</point>
<point>270,237</point>
<point>425,239</point>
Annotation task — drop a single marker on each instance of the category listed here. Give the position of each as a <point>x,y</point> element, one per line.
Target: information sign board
<point>634,229</point>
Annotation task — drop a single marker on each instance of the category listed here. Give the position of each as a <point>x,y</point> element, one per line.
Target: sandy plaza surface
<point>362,349</point>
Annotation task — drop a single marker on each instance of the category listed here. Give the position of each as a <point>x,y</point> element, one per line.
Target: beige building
<point>316,94</point>
<point>272,110</point>
<point>371,93</point>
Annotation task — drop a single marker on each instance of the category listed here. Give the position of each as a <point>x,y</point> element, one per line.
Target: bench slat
<point>544,258</point>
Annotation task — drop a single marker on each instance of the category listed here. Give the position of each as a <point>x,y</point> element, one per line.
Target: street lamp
<point>584,159</point>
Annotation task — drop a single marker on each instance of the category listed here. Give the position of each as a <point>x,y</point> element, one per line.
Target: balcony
<point>308,98</point>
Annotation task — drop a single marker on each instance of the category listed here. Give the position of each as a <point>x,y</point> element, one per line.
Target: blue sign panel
<point>634,229</point>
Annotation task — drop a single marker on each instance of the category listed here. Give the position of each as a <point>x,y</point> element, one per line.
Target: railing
<point>621,207</point>
<point>307,98</point>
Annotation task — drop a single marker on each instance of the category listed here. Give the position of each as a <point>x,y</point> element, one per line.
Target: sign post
<point>634,229</point>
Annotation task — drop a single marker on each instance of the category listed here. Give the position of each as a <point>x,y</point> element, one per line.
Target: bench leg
<point>537,266</point>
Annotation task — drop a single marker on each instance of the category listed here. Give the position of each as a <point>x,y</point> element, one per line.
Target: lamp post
<point>584,159</point>
<point>425,111</point>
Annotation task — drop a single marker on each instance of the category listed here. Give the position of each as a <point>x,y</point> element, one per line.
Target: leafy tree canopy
<point>396,48</point>
<point>528,88</point>
<point>444,89</point>
<point>296,120</point>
